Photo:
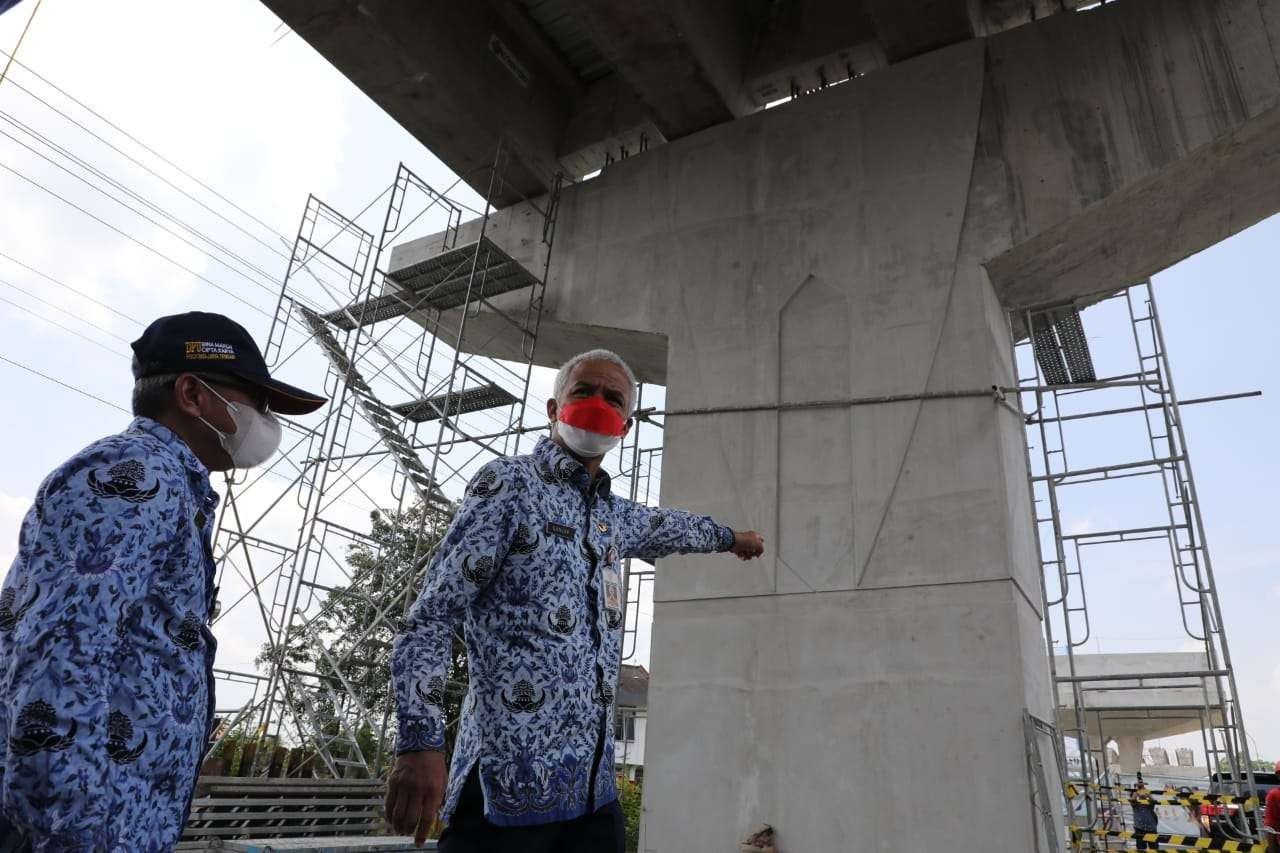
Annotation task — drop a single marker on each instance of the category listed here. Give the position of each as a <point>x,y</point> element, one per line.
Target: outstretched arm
<point>654,532</point>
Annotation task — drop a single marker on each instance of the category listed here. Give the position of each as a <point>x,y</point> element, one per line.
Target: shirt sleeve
<point>101,528</point>
<point>465,563</point>
<point>651,532</point>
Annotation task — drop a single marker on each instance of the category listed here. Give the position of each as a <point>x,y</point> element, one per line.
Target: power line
<point>62,310</point>
<point>185,173</point>
<point>139,213</point>
<point>66,329</point>
<point>153,152</point>
<point>66,385</point>
<point>89,167</point>
<point>137,142</point>
<point>133,239</point>
<point>79,293</point>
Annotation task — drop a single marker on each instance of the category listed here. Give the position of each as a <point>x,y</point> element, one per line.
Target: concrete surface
<point>866,241</point>
<point>578,83</point>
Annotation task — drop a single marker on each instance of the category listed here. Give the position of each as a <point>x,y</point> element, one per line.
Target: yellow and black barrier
<point>1169,797</point>
<point>1191,842</point>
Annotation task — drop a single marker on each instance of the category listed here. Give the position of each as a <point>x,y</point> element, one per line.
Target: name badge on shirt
<point>612,588</point>
<point>564,531</point>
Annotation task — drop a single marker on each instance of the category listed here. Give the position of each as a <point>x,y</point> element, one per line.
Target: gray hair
<point>562,376</point>
<point>152,395</point>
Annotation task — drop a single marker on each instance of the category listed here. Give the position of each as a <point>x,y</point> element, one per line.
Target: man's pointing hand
<point>747,545</point>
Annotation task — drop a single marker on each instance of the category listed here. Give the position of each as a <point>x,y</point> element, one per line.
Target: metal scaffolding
<point>321,553</point>
<point>411,416</point>
<point>1107,439</point>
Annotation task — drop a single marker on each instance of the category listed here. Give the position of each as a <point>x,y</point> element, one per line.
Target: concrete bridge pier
<point>862,687</point>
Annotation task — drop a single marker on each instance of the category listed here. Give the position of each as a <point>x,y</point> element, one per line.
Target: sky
<point>227,94</point>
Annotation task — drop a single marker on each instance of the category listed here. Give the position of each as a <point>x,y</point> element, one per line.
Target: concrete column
<point>1130,754</point>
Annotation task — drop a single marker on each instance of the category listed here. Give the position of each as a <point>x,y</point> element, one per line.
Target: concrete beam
<point>683,59</point>
<point>429,65</point>
<point>910,29</point>
<point>611,123</point>
<point>1148,135</point>
<point>1148,709</point>
<point>807,44</point>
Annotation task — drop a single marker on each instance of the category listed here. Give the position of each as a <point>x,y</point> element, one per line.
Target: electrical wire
<point>62,310</point>
<point>131,209</point>
<point>141,145</point>
<point>135,240</point>
<point>102,175</point>
<point>266,244</point>
<point>66,329</point>
<point>79,293</point>
<point>66,385</point>
<point>89,167</point>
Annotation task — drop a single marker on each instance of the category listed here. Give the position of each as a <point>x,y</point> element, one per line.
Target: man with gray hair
<point>530,570</point>
<point>106,658</point>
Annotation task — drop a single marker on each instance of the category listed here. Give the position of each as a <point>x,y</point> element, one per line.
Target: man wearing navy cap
<point>106,658</point>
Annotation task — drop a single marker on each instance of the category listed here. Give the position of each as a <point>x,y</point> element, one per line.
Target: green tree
<point>350,637</point>
<point>1263,765</point>
<point>629,794</point>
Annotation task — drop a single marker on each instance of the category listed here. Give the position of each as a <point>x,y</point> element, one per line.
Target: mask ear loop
<point>231,410</point>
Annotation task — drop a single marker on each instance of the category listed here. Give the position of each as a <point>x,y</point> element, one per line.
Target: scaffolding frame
<point>381,332</point>
<point>1064,388</point>
<point>411,416</point>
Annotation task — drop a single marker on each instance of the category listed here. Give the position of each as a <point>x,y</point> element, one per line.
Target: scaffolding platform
<point>1061,348</point>
<point>441,282</point>
<point>464,402</point>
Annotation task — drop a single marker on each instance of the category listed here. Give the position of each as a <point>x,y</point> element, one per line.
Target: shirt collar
<point>196,470</point>
<point>559,459</point>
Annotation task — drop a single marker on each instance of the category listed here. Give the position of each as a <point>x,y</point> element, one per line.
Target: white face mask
<point>584,443</point>
<point>257,436</point>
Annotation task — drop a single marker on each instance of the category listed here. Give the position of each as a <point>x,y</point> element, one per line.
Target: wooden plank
<point>345,829</point>
<point>223,817</point>
<point>266,802</point>
<point>235,781</point>
<point>266,790</point>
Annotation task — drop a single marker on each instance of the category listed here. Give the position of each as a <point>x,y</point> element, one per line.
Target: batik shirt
<point>530,571</point>
<point>105,657</point>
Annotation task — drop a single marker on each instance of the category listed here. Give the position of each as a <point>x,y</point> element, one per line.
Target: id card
<point>612,588</point>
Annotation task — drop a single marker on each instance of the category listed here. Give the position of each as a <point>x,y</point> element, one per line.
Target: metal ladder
<point>1057,380</point>
<point>337,765</point>
<point>383,419</point>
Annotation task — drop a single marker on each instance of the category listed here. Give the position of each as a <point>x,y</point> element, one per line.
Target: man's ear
<point>551,409</point>
<point>187,393</point>
<point>626,428</point>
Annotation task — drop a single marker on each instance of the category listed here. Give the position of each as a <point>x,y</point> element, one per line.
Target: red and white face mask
<point>590,427</point>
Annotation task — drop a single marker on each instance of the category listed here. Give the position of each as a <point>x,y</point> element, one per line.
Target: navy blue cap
<point>199,342</point>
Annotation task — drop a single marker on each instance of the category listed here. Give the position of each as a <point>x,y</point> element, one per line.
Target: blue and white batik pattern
<point>105,659</point>
<point>530,569</point>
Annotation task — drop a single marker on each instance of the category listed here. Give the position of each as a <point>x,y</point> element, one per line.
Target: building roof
<point>633,686</point>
